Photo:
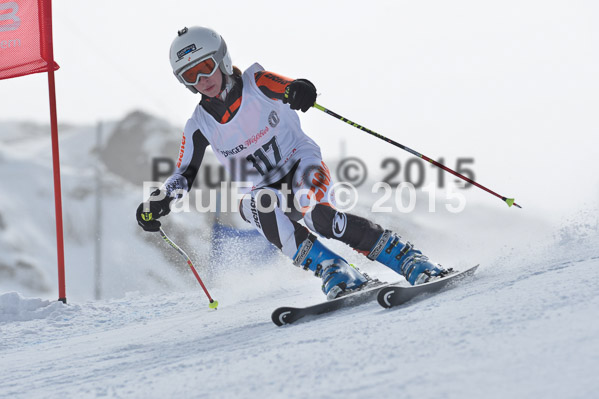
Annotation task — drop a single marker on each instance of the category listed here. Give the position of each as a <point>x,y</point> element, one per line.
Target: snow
<point>525,327</point>
<point>27,227</point>
<point>14,307</point>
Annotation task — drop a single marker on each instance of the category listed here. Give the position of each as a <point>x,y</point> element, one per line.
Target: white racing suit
<point>293,182</point>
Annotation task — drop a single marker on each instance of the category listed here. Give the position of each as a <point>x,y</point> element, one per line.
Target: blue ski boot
<point>337,275</point>
<point>402,258</point>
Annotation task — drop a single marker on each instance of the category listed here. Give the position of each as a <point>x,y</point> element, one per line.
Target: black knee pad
<point>356,231</point>
<point>322,219</point>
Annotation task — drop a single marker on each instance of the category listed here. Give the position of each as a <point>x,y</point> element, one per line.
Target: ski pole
<point>213,304</point>
<point>508,201</point>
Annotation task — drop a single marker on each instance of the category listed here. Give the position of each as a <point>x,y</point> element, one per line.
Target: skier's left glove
<point>154,208</point>
<point>300,94</point>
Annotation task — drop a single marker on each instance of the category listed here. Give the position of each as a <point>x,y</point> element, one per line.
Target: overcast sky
<point>513,83</point>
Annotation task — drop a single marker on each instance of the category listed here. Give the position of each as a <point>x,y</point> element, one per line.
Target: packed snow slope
<point>525,327</point>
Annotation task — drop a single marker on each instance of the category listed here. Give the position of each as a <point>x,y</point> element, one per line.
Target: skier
<point>251,117</point>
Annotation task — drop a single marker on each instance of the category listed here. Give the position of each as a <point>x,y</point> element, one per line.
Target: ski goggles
<point>191,75</point>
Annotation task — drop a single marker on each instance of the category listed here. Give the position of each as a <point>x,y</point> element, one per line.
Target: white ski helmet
<point>194,45</point>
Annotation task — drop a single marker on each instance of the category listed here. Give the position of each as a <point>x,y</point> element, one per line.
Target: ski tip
<point>384,297</point>
<point>281,316</point>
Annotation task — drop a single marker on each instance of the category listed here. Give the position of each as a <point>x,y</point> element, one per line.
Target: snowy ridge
<point>27,227</point>
<point>524,327</point>
<point>14,307</point>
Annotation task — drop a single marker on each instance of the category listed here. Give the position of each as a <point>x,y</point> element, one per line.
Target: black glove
<point>300,94</point>
<point>155,209</point>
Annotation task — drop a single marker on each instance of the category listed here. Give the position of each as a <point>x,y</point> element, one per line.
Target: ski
<point>394,295</point>
<point>387,295</point>
<point>288,315</point>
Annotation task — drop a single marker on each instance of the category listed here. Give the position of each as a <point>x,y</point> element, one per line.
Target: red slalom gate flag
<point>25,38</point>
<point>25,48</point>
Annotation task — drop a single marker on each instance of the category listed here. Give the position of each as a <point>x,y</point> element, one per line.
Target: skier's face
<point>210,85</point>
